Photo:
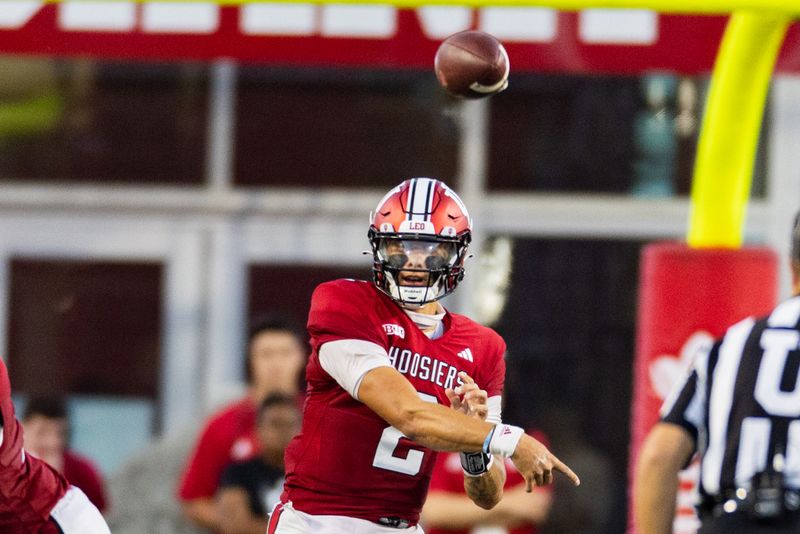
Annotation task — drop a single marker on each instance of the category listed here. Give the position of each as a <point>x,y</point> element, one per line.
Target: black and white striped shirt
<point>741,401</point>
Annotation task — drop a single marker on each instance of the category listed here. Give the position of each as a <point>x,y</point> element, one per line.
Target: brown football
<point>472,64</point>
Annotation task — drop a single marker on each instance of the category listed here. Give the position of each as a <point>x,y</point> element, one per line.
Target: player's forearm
<point>435,426</point>
<point>443,429</point>
<point>487,490</point>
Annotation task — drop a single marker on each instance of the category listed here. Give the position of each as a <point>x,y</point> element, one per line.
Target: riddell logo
<point>395,330</point>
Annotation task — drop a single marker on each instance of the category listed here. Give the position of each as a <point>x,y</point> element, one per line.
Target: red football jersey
<point>347,460</point>
<point>29,488</point>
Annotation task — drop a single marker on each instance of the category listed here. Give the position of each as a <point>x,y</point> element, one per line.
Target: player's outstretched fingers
<point>561,466</point>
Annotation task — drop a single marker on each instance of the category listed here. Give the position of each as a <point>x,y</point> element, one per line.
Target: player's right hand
<point>468,398</point>
<point>536,463</point>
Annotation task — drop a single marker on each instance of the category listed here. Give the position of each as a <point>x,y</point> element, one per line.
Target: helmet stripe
<point>412,199</point>
<point>419,199</point>
<point>429,200</point>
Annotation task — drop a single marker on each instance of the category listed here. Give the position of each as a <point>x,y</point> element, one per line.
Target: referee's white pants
<point>284,519</point>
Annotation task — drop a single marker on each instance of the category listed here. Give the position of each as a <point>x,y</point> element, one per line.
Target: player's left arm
<point>484,476</point>
<point>664,453</point>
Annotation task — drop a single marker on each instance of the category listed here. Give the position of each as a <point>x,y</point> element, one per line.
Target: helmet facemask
<point>419,235</point>
<point>416,269</point>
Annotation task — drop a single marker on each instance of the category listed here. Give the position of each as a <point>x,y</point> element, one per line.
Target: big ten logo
<point>394,330</point>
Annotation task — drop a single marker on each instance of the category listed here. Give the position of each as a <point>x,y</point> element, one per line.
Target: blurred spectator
<point>448,510</point>
<point>248,490</point>
<point>275,357</point>
<point>588,509</point>
<point>143,490</point>
<point>46,428</point>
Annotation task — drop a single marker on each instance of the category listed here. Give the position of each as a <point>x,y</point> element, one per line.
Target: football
<point>472,64</point>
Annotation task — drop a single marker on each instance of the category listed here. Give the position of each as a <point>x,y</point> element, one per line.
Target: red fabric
<point>274,518</point>
<point>230,435</point>
<point>29,488</point>
<point>82,473</point>
<point>329,465</point>
<point>684,291</point>
<point>448,477</point>
<point>685,44</point>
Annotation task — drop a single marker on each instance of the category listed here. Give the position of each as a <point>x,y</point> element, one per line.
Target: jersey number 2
<point>384,456</point>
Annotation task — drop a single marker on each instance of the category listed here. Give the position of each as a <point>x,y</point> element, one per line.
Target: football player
<point>390,382</point>
<point>34,497</point>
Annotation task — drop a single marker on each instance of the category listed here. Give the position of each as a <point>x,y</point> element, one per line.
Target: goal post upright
<point>731,124</point>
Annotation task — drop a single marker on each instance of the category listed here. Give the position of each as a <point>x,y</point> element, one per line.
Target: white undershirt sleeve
<point>348,360</point>
<point>495,406</point>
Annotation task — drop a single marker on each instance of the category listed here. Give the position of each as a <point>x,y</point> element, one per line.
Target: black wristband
<point>475,463</point>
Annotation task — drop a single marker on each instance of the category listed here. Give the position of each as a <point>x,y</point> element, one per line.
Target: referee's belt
<point>737,501</point>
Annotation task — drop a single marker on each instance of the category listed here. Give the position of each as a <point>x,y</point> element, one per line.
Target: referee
<point>740,409</point>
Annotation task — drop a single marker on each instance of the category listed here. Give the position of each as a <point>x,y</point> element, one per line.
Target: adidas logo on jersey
<point>466,354</point>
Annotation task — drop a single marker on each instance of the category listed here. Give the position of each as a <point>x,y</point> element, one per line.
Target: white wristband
<point>503,440</point>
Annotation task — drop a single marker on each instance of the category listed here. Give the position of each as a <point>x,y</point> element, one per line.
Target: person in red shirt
<point>34,496</point>
<point>275,357</point>
<point>249,490</point>
<point>46,435</point>
<point>393,377</point>
<point>448,510</point>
